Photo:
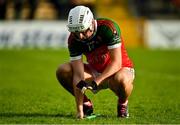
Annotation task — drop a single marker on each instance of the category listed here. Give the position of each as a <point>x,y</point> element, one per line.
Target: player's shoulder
<point>107,23</point>
<point>105,20</point>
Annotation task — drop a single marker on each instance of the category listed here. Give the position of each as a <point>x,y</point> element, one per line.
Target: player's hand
<point>80,115</point>
<point>94,87</point>
<point>83,86</point>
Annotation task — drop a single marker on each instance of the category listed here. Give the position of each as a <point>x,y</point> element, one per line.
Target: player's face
<point>83,35</point>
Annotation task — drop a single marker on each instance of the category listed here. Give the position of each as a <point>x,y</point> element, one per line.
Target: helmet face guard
<point>79,19</point>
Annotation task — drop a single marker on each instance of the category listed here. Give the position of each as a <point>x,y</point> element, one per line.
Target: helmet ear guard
<point>80,19</point>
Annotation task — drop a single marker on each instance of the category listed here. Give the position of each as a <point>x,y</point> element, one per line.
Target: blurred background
<point>42,23</point>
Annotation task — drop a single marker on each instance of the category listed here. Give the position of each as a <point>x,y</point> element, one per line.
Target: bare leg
<point>122,84</point>
<point>64,75</point>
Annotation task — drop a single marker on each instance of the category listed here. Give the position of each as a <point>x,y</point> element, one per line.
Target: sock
<point>85,99</point>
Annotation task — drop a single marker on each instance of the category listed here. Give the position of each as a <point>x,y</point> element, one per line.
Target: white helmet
<point>79,19</point>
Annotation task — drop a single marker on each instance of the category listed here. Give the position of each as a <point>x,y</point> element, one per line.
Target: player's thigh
<point>88,73</point>
<point>65,68</point>
<point>124,76</point>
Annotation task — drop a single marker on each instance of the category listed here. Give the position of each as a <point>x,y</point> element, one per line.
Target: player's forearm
<point>78,75</point>
<point>79,100</point>
<point>112,68</point>
<point>79,103</point>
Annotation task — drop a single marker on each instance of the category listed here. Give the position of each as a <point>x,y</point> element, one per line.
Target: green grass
<point>30,93</point>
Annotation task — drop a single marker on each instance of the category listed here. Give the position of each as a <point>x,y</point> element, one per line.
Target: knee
<point>123,79</point>
<point>63,70</point>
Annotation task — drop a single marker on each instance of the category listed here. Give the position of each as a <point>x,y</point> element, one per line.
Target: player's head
<point>80,19</point>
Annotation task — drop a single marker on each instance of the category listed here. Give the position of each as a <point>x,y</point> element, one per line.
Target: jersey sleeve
<point>112,35</point>
<point>74,49</point>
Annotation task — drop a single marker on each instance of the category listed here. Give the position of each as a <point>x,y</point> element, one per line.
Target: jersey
<point>107,35</point>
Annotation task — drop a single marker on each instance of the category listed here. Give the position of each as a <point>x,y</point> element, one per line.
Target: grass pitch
<point>30,93</point>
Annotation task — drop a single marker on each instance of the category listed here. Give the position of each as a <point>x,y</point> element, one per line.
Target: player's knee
<point>123,79</point>
<point>119,77</point>
<point>63,71</point>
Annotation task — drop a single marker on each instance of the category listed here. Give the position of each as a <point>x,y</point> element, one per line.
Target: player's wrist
<point>82,85</point>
